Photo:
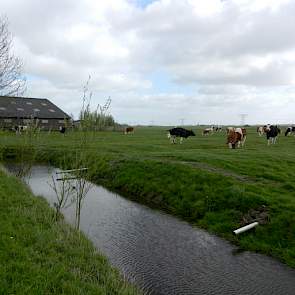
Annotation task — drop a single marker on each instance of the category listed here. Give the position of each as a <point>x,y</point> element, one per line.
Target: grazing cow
<point>19,128</point>
<point>218,129</point>
<point>179,132</point>
<point>208,131</point>
<point>62,129</point>
<point>228,129</point>
<point>260,130</point>
<point>236,137</point>
<point>129,130</point>
<point>233,138</point>
<point>290,130</point>
<point>266,128</point>
<point>271,134</point>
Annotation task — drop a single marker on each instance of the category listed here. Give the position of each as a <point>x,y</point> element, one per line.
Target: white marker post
<point>245,228</point>
<point>71,170</point>
<point>67,172</point>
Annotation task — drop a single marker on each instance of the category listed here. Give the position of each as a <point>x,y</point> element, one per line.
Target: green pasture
<point>201,180</point>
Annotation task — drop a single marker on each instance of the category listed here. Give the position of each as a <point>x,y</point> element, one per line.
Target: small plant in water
<point>63,190</point>
<point>82,187</point>
<point>70,187</point>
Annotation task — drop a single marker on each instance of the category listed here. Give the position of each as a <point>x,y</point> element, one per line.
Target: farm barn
<point>18,111</point>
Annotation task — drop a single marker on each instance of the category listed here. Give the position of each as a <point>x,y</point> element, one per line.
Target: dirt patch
<point>260,215</point>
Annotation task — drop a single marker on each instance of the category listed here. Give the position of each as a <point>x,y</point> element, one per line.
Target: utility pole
<point>243,118</point>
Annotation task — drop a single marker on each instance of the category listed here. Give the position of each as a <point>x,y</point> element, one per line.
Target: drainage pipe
<point>245,228</point>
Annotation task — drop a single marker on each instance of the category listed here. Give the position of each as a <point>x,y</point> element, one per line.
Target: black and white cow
<point>62,129</point>
<point>179,132</point>
<point>271,134</point>
<point>290,130</point>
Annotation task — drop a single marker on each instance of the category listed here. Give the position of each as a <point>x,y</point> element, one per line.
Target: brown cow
<point>260,130</point>
<point>228,129</point>
<point>236,137</point>
<point>128,130</point>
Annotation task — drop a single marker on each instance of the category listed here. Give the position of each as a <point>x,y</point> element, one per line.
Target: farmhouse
<point>19,111</point>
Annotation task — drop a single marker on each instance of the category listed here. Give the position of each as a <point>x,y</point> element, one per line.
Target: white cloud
<point>232,52</point>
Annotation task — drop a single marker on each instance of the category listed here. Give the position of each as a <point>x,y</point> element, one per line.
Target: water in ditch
<point>163,255</point>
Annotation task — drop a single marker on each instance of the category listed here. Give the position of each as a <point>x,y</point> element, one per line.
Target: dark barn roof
<point>25,107</point>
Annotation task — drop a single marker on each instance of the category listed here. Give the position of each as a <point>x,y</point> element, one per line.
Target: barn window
<point>51,110</point>
<point>2,108</point>
<point>36,110</point>
<point>29,103</point>
<point>20,109</point>
<point>44,121</point>
<point>44,104</point>
<point>7,120</point>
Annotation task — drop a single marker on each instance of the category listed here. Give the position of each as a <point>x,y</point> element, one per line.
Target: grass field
<point>201,181</point>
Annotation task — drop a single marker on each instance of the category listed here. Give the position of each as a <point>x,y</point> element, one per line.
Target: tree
<point>12,82</point>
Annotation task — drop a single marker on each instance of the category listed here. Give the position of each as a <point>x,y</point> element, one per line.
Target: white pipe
<point>245,228</point>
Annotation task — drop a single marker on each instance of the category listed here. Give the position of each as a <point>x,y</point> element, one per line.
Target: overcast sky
<point>161,61</point>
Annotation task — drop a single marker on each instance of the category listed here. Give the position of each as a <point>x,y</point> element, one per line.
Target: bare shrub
<point>12,81</point>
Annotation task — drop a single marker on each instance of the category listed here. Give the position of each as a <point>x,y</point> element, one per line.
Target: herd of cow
<point>236,137</point>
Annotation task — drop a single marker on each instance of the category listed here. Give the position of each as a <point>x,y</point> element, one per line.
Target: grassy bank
<point>39,256</point>
<point>201,180</point>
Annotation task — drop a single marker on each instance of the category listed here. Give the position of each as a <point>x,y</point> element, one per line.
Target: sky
<point>162,62</point>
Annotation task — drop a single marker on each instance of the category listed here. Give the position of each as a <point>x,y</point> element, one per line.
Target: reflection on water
<point>164,255</point>
<point>20,170</point>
